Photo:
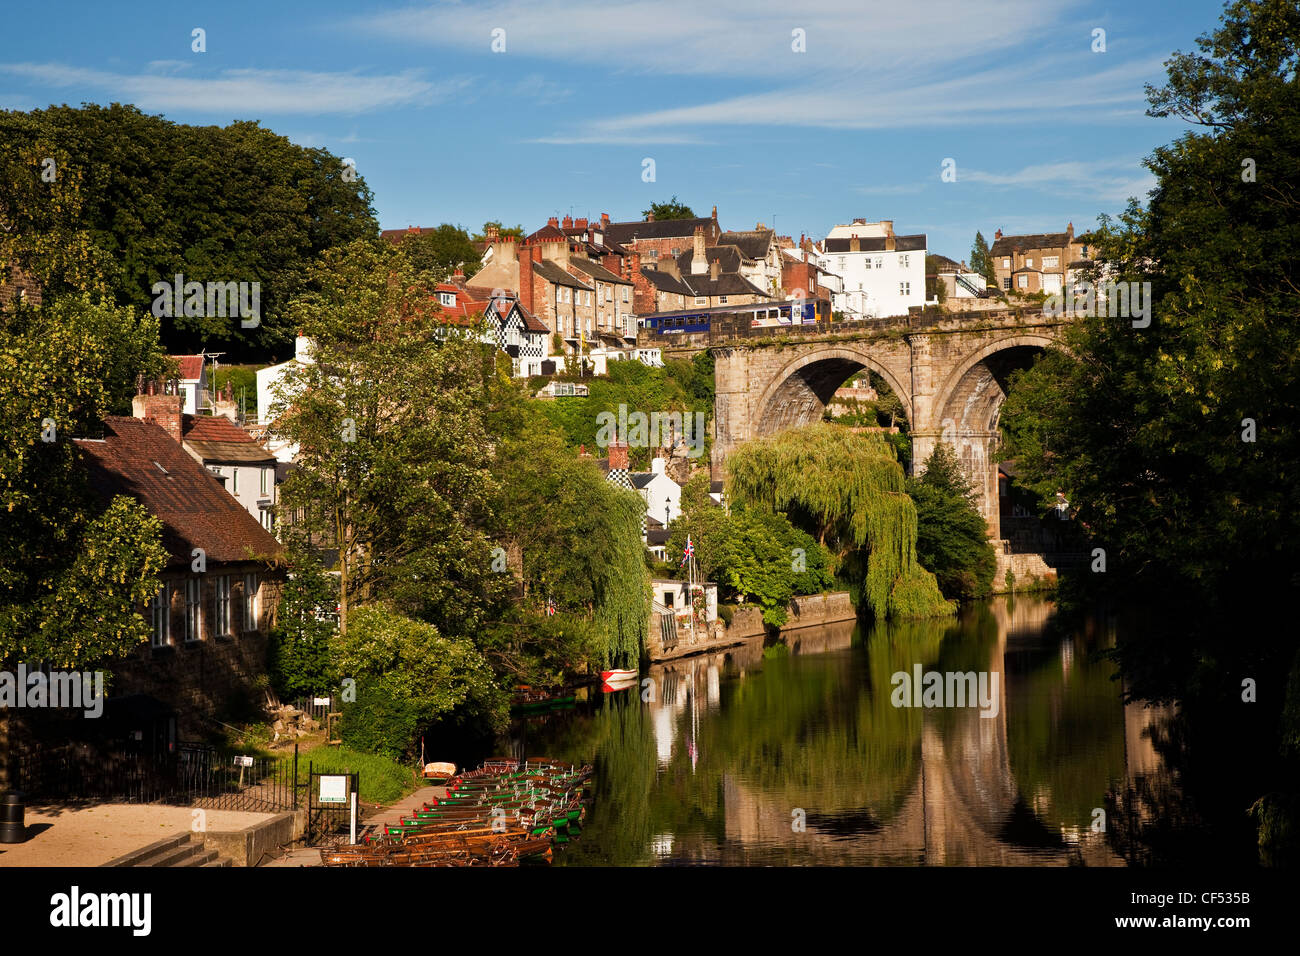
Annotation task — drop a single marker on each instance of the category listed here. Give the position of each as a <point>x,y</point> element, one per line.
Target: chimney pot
<point>618,456</point>
<point>650,216</point>
<point>553,222</point>
<point>580,224</point>
<point>604,219</point>
<point>568,222</point>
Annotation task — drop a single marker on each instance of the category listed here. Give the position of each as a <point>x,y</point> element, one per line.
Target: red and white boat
<point>618,679</point>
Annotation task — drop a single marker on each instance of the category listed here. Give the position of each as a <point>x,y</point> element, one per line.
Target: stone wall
<point>747,622</point>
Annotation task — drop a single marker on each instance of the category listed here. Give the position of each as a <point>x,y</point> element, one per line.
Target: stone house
<point>245,469</point>
<point>210,620</point>
<point>1042,262</point>
<point>665,238</point>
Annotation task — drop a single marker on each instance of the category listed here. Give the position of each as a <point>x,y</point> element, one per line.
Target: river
<point>792,751</point>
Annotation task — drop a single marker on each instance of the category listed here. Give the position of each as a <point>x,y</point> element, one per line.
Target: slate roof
<point>625,232</point>
<point>554,274</point>
<point>641,478</point>
<point>728,283</point>
<point>139,459</point>
<point>944,264</point>
<point>597,271</point>
<point>215,438</point>
<point>1043,240</point>
<point>729,258</point>
<point>877,244</point>
<point>666,282</point>
<point>753,243</point>
<point>548,233</point>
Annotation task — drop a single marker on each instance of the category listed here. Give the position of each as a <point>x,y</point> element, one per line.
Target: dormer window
<point>447,298</point>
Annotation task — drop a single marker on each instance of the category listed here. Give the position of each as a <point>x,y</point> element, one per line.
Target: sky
<point>796,115</point>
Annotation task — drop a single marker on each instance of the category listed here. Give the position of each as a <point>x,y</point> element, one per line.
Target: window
<point>1006,263</point>
<point>160,618</point>
<point>902,261</point>
<point>625,291</point>
<point>250,602</point>
<point>1029,262</point>
<point>840,260</point>
<point>234,480</point>
<point>904,288</point>
<point>701,300</point>
<point>193,609</point>
<point>1051,262</point>
<point>609,293</point>
<point>221,604</point>
<point>722,300</point>
<point>1023,282</point>
<point>447,298</point>
<point>866,262</point>
<point>266,479</point>
<point>880,262</point>
<point>1006,282</point>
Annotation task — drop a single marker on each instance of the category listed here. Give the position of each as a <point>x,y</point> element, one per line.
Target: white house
<point>662,495</point>
<point>194,394</point>
<point>270,403</point>
<point>245,468</point>
<point>671,594</point>
<point>883,274</point>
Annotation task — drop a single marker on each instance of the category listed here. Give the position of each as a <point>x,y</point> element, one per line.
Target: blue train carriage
<point>807,312</point>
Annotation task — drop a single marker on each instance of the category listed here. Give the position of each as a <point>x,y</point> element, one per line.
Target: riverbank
<point>813,610</point>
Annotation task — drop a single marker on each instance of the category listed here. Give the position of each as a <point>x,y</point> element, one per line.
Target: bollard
<point>12,828</point>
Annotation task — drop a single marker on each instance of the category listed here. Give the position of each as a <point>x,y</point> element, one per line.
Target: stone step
<point>200,858</point>
<point>176,857</point>
<point>183,849</point>
<point>146,854</point>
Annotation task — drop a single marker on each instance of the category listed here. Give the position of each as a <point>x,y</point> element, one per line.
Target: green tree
<point>951,535</point>
<point>516,231</point>
<point>846,490</point>
<point>440,251</point>
<point>300,655</point>
<point>672,209</point>
<point>981,260</point>
<point>393,452</point>
<point>408,676</point>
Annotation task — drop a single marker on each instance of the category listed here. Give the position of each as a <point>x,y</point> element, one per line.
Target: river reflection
<point>793,753</point>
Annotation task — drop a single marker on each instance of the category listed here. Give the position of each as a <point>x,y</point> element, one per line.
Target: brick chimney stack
<point>715,212</point>
<point>650,216</point>
<point>526,277</point>
<point>553,222</point>
<point>1069,231</point>
<point>604,219</point>
<point>580,224</point>
<point>163,410</point>
<point>714,269</point>
<point>568,222</point>
<point>618,457</point>
<point>855,244</point>
<point>493,232</point>
<point>997,235</point>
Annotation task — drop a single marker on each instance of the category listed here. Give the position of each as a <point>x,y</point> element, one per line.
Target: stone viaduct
<point>949,370</point>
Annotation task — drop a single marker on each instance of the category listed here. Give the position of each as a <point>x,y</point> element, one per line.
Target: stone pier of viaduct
<point>949,371</point>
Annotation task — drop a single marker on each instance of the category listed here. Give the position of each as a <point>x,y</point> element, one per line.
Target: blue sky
<point>1042,128</point>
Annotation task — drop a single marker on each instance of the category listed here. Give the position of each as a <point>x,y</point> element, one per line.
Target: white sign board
<point>243,761</point>
<point>320,701</point>
<point>334,789</point>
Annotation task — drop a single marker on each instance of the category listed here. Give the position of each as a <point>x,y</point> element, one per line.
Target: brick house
<point>666,238</point>
<point>210,619</point>
<point>1043,262</point>
<point>18,286</point>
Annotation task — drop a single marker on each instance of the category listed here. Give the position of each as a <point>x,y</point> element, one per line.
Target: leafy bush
<point>951,535</point>
<point>299,656</point>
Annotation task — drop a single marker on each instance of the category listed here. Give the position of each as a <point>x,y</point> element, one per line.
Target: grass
<point>382,780</point>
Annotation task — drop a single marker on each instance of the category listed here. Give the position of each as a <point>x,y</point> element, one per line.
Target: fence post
<point>295,775</point>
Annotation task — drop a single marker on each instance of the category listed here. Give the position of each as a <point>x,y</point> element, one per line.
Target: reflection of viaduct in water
<point>963,808</point>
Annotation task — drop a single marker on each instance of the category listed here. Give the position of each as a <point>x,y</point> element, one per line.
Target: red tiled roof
<point>215,438</point>
<point>139,459</point>
<point>191,366</point>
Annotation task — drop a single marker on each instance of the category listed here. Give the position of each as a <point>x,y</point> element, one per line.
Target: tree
<point>393,453</point>
<point>136,199</point>
<point>300,655</point>
<point>502,230</point>
<point>672,209</point>
<point>440,251</point>
<point>847,491</point>
<point>408,676</point>
<point>981,260</point>
<point>1175,434</point>
<point>951,535</point>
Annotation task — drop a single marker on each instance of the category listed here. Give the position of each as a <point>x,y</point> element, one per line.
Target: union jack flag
<point>550,607</point>
<point>688,552</point>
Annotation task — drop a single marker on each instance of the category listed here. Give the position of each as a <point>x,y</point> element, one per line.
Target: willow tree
<point>847,490</point>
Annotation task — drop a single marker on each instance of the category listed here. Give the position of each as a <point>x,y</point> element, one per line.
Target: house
<point>959,281</point>
<point>210,619</point>
<point>271,401</point>
<point>614,310</point>
<point>659,289</point>
<point>506,323</point>
<point>245,468</point>
<point>190,377</point>
<point>17,285</point>
<point>671,594</point>
<point>760,257</point>
<point>883,273</point>
<point>662,495</point>
<point>1042,262</point>
<point>662,239</point>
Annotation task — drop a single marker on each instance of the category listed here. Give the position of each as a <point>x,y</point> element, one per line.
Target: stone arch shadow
<point>798,393</point>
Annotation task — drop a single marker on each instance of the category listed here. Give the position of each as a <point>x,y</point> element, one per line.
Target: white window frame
<point>1051,262</point>
<point>251,586</point>
<point>234,479</point>
<point>1022,281</point>
<point>904,288</point>
<point>221,606</point>
<point>265,484</point>
<point>902,261</point>
<point>447,298</point>
<point>193,609</point>
<point>160,617</point>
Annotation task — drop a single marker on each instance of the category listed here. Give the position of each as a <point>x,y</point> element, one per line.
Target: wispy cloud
<point>250,91</point>
<point>1110,180</point>
<point>723,37</point>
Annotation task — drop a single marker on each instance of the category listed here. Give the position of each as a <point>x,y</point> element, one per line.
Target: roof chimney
<point>759,227</point>
<point>604,219</point>
<point>163,410</point>
<point>525,276</point>
<point>1069,230</point>
<point>698,263</point>
<point>650,216</point>
<point>888,226</point>
<point>714,269</point>
<point>580,224</point>
<point>553,222</point>
<point>998,234</point>
<point>715,212</point>
<point>855,244</point>
<point>568,222</point>
<point>493,232</point>
<point>618,457</point>
<point>890,244</point>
